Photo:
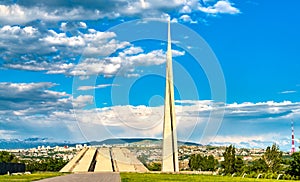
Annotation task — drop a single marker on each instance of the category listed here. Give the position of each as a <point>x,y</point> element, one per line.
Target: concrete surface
<point>86,177</point>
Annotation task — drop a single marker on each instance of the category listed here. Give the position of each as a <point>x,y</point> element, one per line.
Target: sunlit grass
<point>29,177</point>
<point>150,177</point>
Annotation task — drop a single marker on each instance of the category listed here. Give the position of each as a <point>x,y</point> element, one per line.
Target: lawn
<point>153,177</point>
<point>29,177</point>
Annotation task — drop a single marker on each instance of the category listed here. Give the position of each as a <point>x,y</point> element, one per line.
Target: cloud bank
<point>30,109</point>
<point>21,11</point>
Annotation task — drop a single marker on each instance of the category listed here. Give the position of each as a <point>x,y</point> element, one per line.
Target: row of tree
<point>47,164</point>
<point>271,163</point>
<point>8,157</point>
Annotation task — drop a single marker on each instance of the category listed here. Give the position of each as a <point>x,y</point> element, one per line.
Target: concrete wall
<point>11,167</point>
<point>103,161</point>
<point>122,160</point>
<point>71,164</point>
<point>86,161</point>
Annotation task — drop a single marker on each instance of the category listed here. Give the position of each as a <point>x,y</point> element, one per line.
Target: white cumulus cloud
<point>22,12</point>
<point>96,87</point>
<point>223,7</point>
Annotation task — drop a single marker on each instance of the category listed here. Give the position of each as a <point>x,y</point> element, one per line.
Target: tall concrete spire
<point>170,151</point>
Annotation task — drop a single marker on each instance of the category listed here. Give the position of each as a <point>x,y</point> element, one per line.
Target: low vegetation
<point>154,166</point>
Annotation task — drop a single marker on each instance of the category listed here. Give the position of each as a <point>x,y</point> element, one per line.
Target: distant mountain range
<point>29,143</point>
<point>138,141</point>
<point>35,142</point>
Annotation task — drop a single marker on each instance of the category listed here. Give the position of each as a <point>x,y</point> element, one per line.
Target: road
<point>93,176</point>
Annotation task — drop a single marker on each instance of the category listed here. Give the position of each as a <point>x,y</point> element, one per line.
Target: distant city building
<point>78,146</point>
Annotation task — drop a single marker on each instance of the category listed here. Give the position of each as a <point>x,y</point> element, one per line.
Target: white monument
<point>170,151</point>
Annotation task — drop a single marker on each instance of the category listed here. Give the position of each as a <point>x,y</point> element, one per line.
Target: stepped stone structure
<point>170,151</point>
<point>104,160</point>
<point>121,159</point>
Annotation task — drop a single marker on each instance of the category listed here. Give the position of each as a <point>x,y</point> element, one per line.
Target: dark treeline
<point>8,157</point>
<point>47,164</point>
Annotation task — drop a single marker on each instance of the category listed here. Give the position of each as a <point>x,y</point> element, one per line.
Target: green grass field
<point>150,177</point>
<point>29,177</point>
<point>145,177</point>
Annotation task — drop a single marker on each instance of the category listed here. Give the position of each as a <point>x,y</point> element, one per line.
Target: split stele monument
<point>170,151</point>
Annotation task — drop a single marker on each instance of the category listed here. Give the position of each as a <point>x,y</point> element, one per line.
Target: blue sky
<point>81,71</point>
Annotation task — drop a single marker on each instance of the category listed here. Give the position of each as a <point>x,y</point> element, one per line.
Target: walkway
<point>92,176</point>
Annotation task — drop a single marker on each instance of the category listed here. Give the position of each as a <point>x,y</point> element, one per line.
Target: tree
<point>194,161</point>
<point>273,158</point>
<point>7,157</point>
<point>294,169</point>
<point>229,160</point>
<point>203,163</point>
<point>211,163</point>
<point>143,159</point>
<point>258,165</point>
<point>239,164</point>
<point>154,166</point>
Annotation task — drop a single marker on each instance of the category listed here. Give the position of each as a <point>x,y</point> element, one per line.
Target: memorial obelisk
<point>170,151</point>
